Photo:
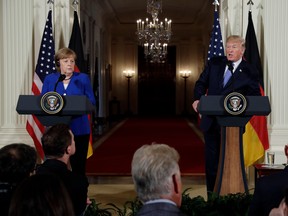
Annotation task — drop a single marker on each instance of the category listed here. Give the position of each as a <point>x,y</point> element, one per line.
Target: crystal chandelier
<point>154,35</point>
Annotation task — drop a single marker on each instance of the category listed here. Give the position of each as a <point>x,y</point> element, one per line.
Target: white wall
<point>275,32</point>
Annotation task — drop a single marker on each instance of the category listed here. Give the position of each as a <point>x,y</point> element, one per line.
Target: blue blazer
<point>245,80</point>
<point>78,85</point>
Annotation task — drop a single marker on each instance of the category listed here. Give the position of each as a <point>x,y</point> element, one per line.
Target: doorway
<point>157,85</point>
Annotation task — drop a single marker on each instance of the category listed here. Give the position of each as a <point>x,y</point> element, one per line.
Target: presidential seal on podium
<point>235,103</point>
<point>52,102</point>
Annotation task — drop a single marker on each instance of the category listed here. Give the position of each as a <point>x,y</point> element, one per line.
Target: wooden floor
<point>118,190</point>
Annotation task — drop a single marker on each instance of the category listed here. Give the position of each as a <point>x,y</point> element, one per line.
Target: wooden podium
<point>231,176</point>
<point>75,105</point>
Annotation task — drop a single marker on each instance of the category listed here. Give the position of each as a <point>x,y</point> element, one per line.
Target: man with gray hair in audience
<point>157,179</point>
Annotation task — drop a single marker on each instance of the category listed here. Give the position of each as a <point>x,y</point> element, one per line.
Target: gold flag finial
<point>216,4</point>
<point>75,4</point>
<point>50,2</point>
<point>250,3</point>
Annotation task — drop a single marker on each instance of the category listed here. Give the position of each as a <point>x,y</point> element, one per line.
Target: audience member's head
<point>43,195</point>
<point>156,173</point>
<point>282,209</point>
<point>58,141</point>
<point>17,161</point>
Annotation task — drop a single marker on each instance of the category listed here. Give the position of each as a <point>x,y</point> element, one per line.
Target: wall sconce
<point>185,73</point>
<point>128,73</point>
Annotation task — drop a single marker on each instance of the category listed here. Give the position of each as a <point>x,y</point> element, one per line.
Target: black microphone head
<point>62,77</point>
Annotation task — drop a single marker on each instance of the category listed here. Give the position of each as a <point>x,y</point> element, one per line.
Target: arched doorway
<point>157,85</point>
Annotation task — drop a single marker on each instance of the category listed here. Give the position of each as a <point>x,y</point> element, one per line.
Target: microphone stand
<point>60,79</point>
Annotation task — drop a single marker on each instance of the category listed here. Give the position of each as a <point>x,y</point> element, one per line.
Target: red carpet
<point>114,155</point>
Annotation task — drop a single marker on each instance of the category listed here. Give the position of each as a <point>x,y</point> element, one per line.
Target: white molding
<point>14,135</point>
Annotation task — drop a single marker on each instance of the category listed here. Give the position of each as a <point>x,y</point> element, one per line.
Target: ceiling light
<point>154,35</point>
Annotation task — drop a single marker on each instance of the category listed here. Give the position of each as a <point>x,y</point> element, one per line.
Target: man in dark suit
<point>269,191</point>
<point>59,145</point>
<point>157,178</point>
<point>214,81</point>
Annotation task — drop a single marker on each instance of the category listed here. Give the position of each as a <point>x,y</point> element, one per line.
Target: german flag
<point>255,138</point>
<point>75,44</point>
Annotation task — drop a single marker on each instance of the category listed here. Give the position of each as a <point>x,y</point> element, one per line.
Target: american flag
<point>45,65</point>
<point>216,43</point>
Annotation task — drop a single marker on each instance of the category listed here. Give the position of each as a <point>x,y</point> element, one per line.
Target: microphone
<point>60,79</point>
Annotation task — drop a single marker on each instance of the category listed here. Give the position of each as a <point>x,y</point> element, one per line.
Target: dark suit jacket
<point>160,209</point>
<point>269,191</point>
<point>6,192</point>
<point>76,185</point>
<point>245,80</point>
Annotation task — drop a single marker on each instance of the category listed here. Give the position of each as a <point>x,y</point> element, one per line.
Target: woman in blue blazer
<point>74,84</point>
